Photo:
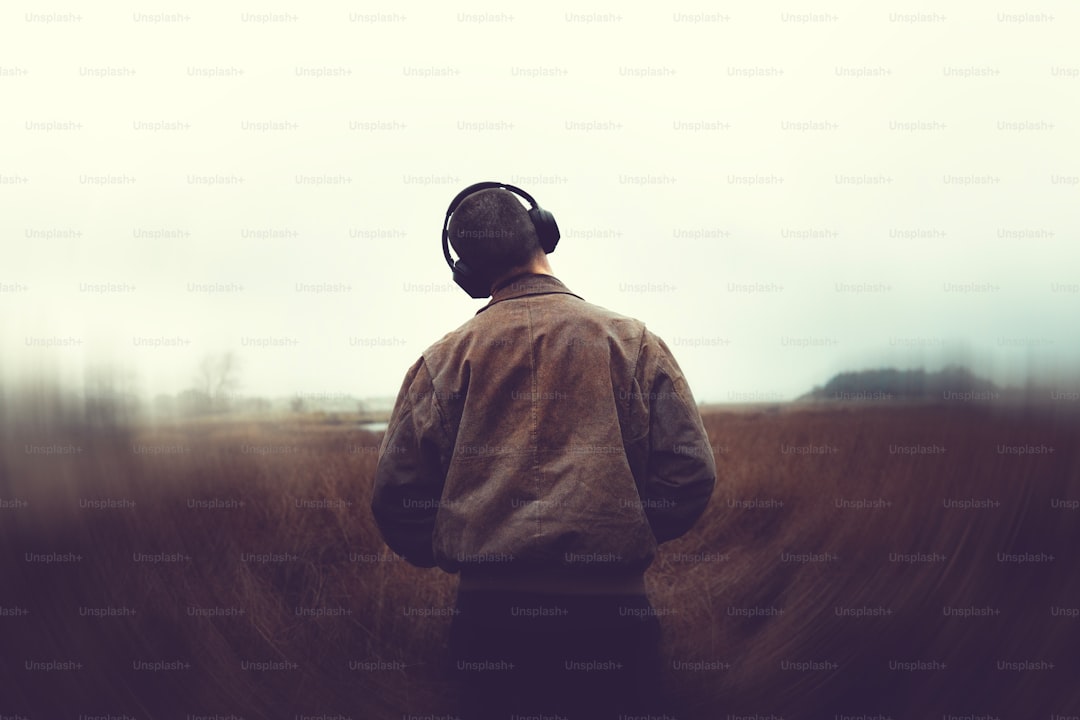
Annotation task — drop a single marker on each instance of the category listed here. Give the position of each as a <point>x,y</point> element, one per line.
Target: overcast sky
<point>782,191</point>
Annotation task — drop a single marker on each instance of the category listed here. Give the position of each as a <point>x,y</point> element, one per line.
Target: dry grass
<point>333,569</point>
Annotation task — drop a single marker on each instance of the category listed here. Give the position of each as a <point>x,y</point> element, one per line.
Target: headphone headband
<point>547,231</point>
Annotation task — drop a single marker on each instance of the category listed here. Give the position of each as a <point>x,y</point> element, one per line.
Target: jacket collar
<point>526,284</point>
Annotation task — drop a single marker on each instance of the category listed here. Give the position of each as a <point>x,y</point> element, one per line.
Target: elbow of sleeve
<point>425,561</point>
<point>414,551</point>
<point>408,540</point>
<point>674,517</point>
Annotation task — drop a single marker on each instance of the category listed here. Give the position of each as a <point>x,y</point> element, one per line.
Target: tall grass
<point>220,611</point>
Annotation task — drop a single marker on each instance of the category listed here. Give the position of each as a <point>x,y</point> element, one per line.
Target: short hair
<point>492,232</point>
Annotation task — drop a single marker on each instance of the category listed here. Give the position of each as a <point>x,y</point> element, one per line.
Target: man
<point>542,450</point>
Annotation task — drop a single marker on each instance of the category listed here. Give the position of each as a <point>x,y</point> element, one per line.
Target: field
<point>903,561</point>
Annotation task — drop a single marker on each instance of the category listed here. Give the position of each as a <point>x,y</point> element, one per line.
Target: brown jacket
<point>544,436</point>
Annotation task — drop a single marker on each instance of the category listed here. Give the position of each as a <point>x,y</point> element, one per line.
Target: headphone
<point>473,282</point>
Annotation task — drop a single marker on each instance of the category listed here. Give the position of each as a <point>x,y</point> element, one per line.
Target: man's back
<point>558,439</point>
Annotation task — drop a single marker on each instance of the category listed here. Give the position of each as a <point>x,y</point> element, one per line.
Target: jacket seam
<point>533,430</point>
<point>443,460</point>
<point>633,376</point>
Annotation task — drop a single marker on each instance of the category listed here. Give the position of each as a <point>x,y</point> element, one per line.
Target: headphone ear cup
<point>547,230</point>
<point>474,283</point>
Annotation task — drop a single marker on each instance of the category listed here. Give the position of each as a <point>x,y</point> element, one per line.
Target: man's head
<point>492,232</point>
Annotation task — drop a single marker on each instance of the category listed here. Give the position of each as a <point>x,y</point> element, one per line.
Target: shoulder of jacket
<point>603,314</point>
<point>437,352</point>
<point>451,343</point>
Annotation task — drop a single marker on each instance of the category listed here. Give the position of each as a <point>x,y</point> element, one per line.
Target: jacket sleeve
<point>681,471</point>
<point>410,473</point>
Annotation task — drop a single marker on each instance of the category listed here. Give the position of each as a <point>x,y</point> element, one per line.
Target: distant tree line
<point>890,383</point>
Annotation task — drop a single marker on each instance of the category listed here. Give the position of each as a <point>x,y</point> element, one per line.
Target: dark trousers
<point>555,656</point>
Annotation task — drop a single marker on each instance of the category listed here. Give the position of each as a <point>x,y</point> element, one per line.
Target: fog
<point>780,193</point>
